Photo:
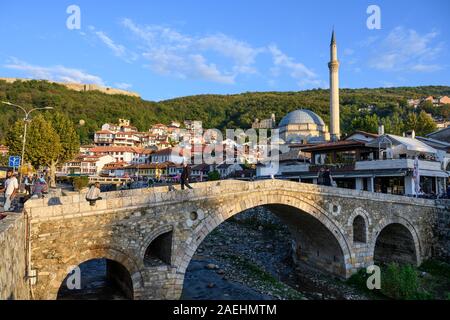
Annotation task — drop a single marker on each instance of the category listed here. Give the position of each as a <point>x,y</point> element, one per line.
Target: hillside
<point>216,111</point>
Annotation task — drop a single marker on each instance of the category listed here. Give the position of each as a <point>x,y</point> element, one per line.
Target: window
<point>359,230</point>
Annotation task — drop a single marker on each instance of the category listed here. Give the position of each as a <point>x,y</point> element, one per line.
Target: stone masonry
<point>442,249</point>
<point>12,259</point>
<point>128,227</point>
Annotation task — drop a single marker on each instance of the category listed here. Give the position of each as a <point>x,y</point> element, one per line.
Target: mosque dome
<point>301,116</point>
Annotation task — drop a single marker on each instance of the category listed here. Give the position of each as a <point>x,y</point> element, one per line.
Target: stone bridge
<point>149,236</point>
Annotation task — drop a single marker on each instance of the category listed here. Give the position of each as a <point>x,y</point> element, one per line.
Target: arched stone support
<point>122,226</point>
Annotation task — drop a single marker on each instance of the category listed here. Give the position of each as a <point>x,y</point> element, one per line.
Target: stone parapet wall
<point>12,259</point>
<point>442,230</point>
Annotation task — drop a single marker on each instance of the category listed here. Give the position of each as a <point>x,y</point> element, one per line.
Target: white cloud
<point>406,49</point>
<point>426,67</point>
<point>240,52</point>
<point>55,73</point>
<point>117,49</point>
<point>214,57</point>
<point>305,77</point>
<point>184,56</point>
<point>123,85</point>
<point>349,52</point>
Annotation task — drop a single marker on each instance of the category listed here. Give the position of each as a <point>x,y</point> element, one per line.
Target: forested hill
<point>216,111</point>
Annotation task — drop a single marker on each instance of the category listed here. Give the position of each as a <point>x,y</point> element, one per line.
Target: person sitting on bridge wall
<point>39,188</point>
<point>93,194</point>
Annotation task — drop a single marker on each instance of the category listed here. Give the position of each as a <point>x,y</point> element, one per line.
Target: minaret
<point>335,128</point>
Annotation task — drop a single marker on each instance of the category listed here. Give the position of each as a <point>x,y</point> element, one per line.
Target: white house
<point>87,165</point>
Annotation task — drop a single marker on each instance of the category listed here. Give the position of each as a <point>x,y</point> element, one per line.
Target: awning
<point>431,173</point>
<point>351,174</point>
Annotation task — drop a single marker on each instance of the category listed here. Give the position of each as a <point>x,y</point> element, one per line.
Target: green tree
<point>422,124</point>
<point>427,106</point>
<point>368,123</point>
<point>42,146</point>
<point>393,124</point>
<point>4,160</point>
<point>68,138</point>
<point>445,111</point>
<point>400,282</point>
<point>213,175</point>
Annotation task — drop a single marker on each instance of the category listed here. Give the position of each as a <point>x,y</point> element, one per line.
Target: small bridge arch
<point>111,254</point>
<point>396,240</point>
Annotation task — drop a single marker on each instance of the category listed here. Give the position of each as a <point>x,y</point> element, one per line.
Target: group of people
<point>35,187</point>
<point>324,178</point>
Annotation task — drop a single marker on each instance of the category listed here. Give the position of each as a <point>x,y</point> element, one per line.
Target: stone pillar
<point>409,185</point>
<point>371,184</point>
<point>359,184</point>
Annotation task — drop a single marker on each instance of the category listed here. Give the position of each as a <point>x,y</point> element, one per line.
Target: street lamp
<point>26,120</point>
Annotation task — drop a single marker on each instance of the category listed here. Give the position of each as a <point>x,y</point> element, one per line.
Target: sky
<point>167,49</point>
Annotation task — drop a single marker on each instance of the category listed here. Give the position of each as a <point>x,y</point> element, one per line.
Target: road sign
<point>14,161</point>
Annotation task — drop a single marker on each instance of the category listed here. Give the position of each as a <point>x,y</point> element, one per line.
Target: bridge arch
<point>302,206</point>
<point>396,240</point>
<point>137,281</point>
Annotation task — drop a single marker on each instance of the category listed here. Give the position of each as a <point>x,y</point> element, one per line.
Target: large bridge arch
<point>92,254</point>
<point>302,205</point>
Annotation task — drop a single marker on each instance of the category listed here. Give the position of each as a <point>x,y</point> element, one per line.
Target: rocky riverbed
<point>250,257</point>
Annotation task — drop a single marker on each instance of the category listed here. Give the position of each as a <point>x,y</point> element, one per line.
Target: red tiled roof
<point>373,135</point>
<point>107,149</point>
<point>162,165</point>
<point>334,145</point>
<point>164,152</point>
<point>115,165</point>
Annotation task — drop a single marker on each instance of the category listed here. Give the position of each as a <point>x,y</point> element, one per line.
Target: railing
<point>108,179</point>
<point>337,167</point>
<point>397,164</point>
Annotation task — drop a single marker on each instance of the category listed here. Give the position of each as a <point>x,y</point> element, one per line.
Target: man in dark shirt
<point>327,178</point>
<point>185,176</point>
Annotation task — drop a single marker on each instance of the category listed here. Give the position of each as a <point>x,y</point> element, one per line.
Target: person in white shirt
<point>10,188</point>
<point>93,194</point>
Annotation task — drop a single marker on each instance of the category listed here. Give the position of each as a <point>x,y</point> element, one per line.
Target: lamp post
<point>26,120</point>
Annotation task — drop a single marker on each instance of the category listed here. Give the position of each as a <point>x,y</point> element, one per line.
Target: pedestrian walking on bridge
<point>185,176</point>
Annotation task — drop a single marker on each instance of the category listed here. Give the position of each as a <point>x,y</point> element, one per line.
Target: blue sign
<point>14,161</point>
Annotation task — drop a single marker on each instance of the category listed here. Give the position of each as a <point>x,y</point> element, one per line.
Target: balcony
<point>397,164</point>
<point>103,139</point>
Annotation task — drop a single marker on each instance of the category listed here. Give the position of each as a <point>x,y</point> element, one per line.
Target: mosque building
<point>303,126</point>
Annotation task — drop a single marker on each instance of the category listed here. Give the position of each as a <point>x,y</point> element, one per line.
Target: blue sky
<point>166,49</point>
